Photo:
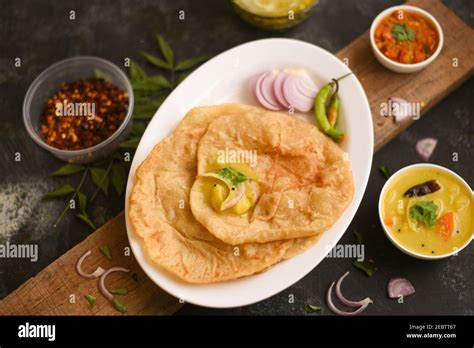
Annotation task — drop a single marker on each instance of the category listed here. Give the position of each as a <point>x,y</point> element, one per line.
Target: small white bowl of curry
<point>427,211</point>
<point>406,38</point>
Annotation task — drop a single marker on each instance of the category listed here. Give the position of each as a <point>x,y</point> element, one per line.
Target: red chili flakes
<point>83,114</point>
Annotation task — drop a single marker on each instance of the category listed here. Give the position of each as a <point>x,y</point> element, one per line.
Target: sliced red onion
<point>102,287</point>
<point>230,202</point>
<point>268,91</point>
<point>264,91</point>
<point>306,86</point>
<point>425,147</point>
<point>254,187</point>
<point>347,302</point>
<point>401,112</point>
<point>400,287</point>
<point>96,274</point>
<point>253,82</point>
<point>278,89</point>
<point>299,101</point>
<point>361,304</point>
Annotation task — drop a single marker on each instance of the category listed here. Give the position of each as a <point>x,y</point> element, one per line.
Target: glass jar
<point>273,14</point>
<point>68,70</point>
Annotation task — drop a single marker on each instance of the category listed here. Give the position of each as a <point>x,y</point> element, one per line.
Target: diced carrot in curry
<point>389,220</point>
<point>418,46</point>
<point>445,225</point>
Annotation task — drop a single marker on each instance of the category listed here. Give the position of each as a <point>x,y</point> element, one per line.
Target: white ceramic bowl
<point>399,67</point>
<point>387,232</point>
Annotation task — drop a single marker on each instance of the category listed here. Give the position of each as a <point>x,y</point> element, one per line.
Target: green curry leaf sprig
<point>101,174</point>
<point>149,91</point>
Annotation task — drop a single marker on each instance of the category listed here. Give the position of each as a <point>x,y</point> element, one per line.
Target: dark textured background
<point>41,33</point>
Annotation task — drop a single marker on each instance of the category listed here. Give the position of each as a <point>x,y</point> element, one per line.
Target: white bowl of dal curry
<point>427,211</point>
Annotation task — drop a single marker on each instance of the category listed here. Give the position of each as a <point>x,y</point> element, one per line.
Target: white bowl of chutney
<point>427,211</point>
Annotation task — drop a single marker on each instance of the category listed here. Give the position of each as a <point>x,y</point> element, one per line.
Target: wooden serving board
<point>428,86</point>
<point>49,293</point>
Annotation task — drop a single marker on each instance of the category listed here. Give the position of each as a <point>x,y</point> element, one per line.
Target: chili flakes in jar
<point>83,113</point>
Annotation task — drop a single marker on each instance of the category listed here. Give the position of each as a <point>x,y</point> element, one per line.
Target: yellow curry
<point>428,211</point>
<point>230,188</point>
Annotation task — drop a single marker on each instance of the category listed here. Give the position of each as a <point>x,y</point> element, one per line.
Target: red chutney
<point>406,37</point>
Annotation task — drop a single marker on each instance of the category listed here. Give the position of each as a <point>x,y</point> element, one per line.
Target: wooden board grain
<point>49,292</point>
<point>428,86</point>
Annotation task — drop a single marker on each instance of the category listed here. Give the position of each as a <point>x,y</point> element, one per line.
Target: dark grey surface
<point>41,33</point>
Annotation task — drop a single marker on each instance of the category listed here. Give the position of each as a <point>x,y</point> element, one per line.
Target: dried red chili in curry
<point>406,37</point>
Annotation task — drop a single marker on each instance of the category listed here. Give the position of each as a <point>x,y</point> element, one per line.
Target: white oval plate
<point>225,79</point>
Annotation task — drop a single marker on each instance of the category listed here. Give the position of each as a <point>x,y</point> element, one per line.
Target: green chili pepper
<point>320,102</point>
<point>333,110</point>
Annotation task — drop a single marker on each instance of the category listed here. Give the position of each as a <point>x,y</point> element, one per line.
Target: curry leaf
<point>358,236</point>
<point>385,171</point>
<point>130,144</point>
<point>190,63</point>
<point>100,179</point>
<point>140,116</point>
<point>82,202</point>
<point>138,128</point>
<point>181,78</point>
<point>151,84</point>
<point>68,169</point>
<point>61,192</point>
<point>136,72</point>
<point>366,266</point>
<point>84,218</point>
<point>119,178</point>
<point>160,63</point>
<point>311,308</point>
<point>165,49</point>
<point>146,110</point>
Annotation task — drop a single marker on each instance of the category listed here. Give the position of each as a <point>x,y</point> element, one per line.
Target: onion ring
<point>229,203</point>
<point>102,287</point>
<point>361,304</point>
<point>345,300</point>
<point>278,89</point>
<point>96,274</point>
<point>264,91</point>
<point>254,187</point>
